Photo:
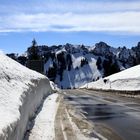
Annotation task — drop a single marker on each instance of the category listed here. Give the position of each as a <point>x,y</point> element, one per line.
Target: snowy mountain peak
<point>102,44</point>
<point>102,49</point>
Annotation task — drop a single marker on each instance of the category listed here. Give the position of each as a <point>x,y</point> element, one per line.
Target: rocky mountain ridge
<point>71,66</point>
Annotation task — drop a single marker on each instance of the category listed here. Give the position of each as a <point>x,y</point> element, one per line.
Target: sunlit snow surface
<point>21,91</point>
<point>128,79</point>
<point>44,123</point>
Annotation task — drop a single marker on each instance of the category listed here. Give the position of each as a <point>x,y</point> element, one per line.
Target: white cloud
<point>94,6</point>
<point>73,6</point>
<point>125,22</point>
<point>75,15</point>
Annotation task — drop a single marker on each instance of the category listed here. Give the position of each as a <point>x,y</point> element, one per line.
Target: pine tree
<point>98,63</point>
<point>33,51</point>
<point>51,73</point>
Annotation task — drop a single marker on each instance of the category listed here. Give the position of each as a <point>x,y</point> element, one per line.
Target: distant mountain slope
<point>71,66</point>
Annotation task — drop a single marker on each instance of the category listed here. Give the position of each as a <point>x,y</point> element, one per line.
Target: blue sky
<point>62,21</point>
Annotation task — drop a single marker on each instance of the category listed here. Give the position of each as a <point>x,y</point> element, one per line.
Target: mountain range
<point>72,66</point>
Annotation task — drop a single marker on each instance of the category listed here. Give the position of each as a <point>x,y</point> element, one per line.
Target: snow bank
<point>21,92</point>
<point>44,123</point>
<point>128,80</point>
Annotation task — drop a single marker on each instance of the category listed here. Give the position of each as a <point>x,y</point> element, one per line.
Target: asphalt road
<point>121,115</point>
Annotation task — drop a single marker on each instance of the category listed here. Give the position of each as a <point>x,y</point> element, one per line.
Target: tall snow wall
<point>21,93</point>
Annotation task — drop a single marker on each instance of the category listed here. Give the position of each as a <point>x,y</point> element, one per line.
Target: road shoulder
<point>70,124</point>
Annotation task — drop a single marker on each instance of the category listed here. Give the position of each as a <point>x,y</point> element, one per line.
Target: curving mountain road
<point>115,117</point>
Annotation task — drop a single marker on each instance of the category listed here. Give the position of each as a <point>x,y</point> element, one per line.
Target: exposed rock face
<point>102,49</point>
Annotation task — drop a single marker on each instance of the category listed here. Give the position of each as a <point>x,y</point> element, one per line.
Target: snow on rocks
<point>21,92</point>
<point>127,80</point>
<point>78,75</point>
<point>44,123</point>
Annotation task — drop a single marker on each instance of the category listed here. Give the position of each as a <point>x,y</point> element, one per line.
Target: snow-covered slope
<point>79,75</point>
<point>72,68</point>
<point>21,92</point>
<point>128,79</point>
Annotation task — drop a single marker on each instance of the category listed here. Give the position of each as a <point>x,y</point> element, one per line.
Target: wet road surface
<point>121,114</point>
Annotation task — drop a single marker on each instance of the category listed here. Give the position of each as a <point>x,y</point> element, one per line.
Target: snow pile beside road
<point>54,87</point>
<point>44,123</point>
<point>128,80</point>
<point>21,92</point>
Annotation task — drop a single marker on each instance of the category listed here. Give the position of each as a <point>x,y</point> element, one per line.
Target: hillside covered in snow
<point>71,66</point>
<point>21,92</point>
<point>127,80</point>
